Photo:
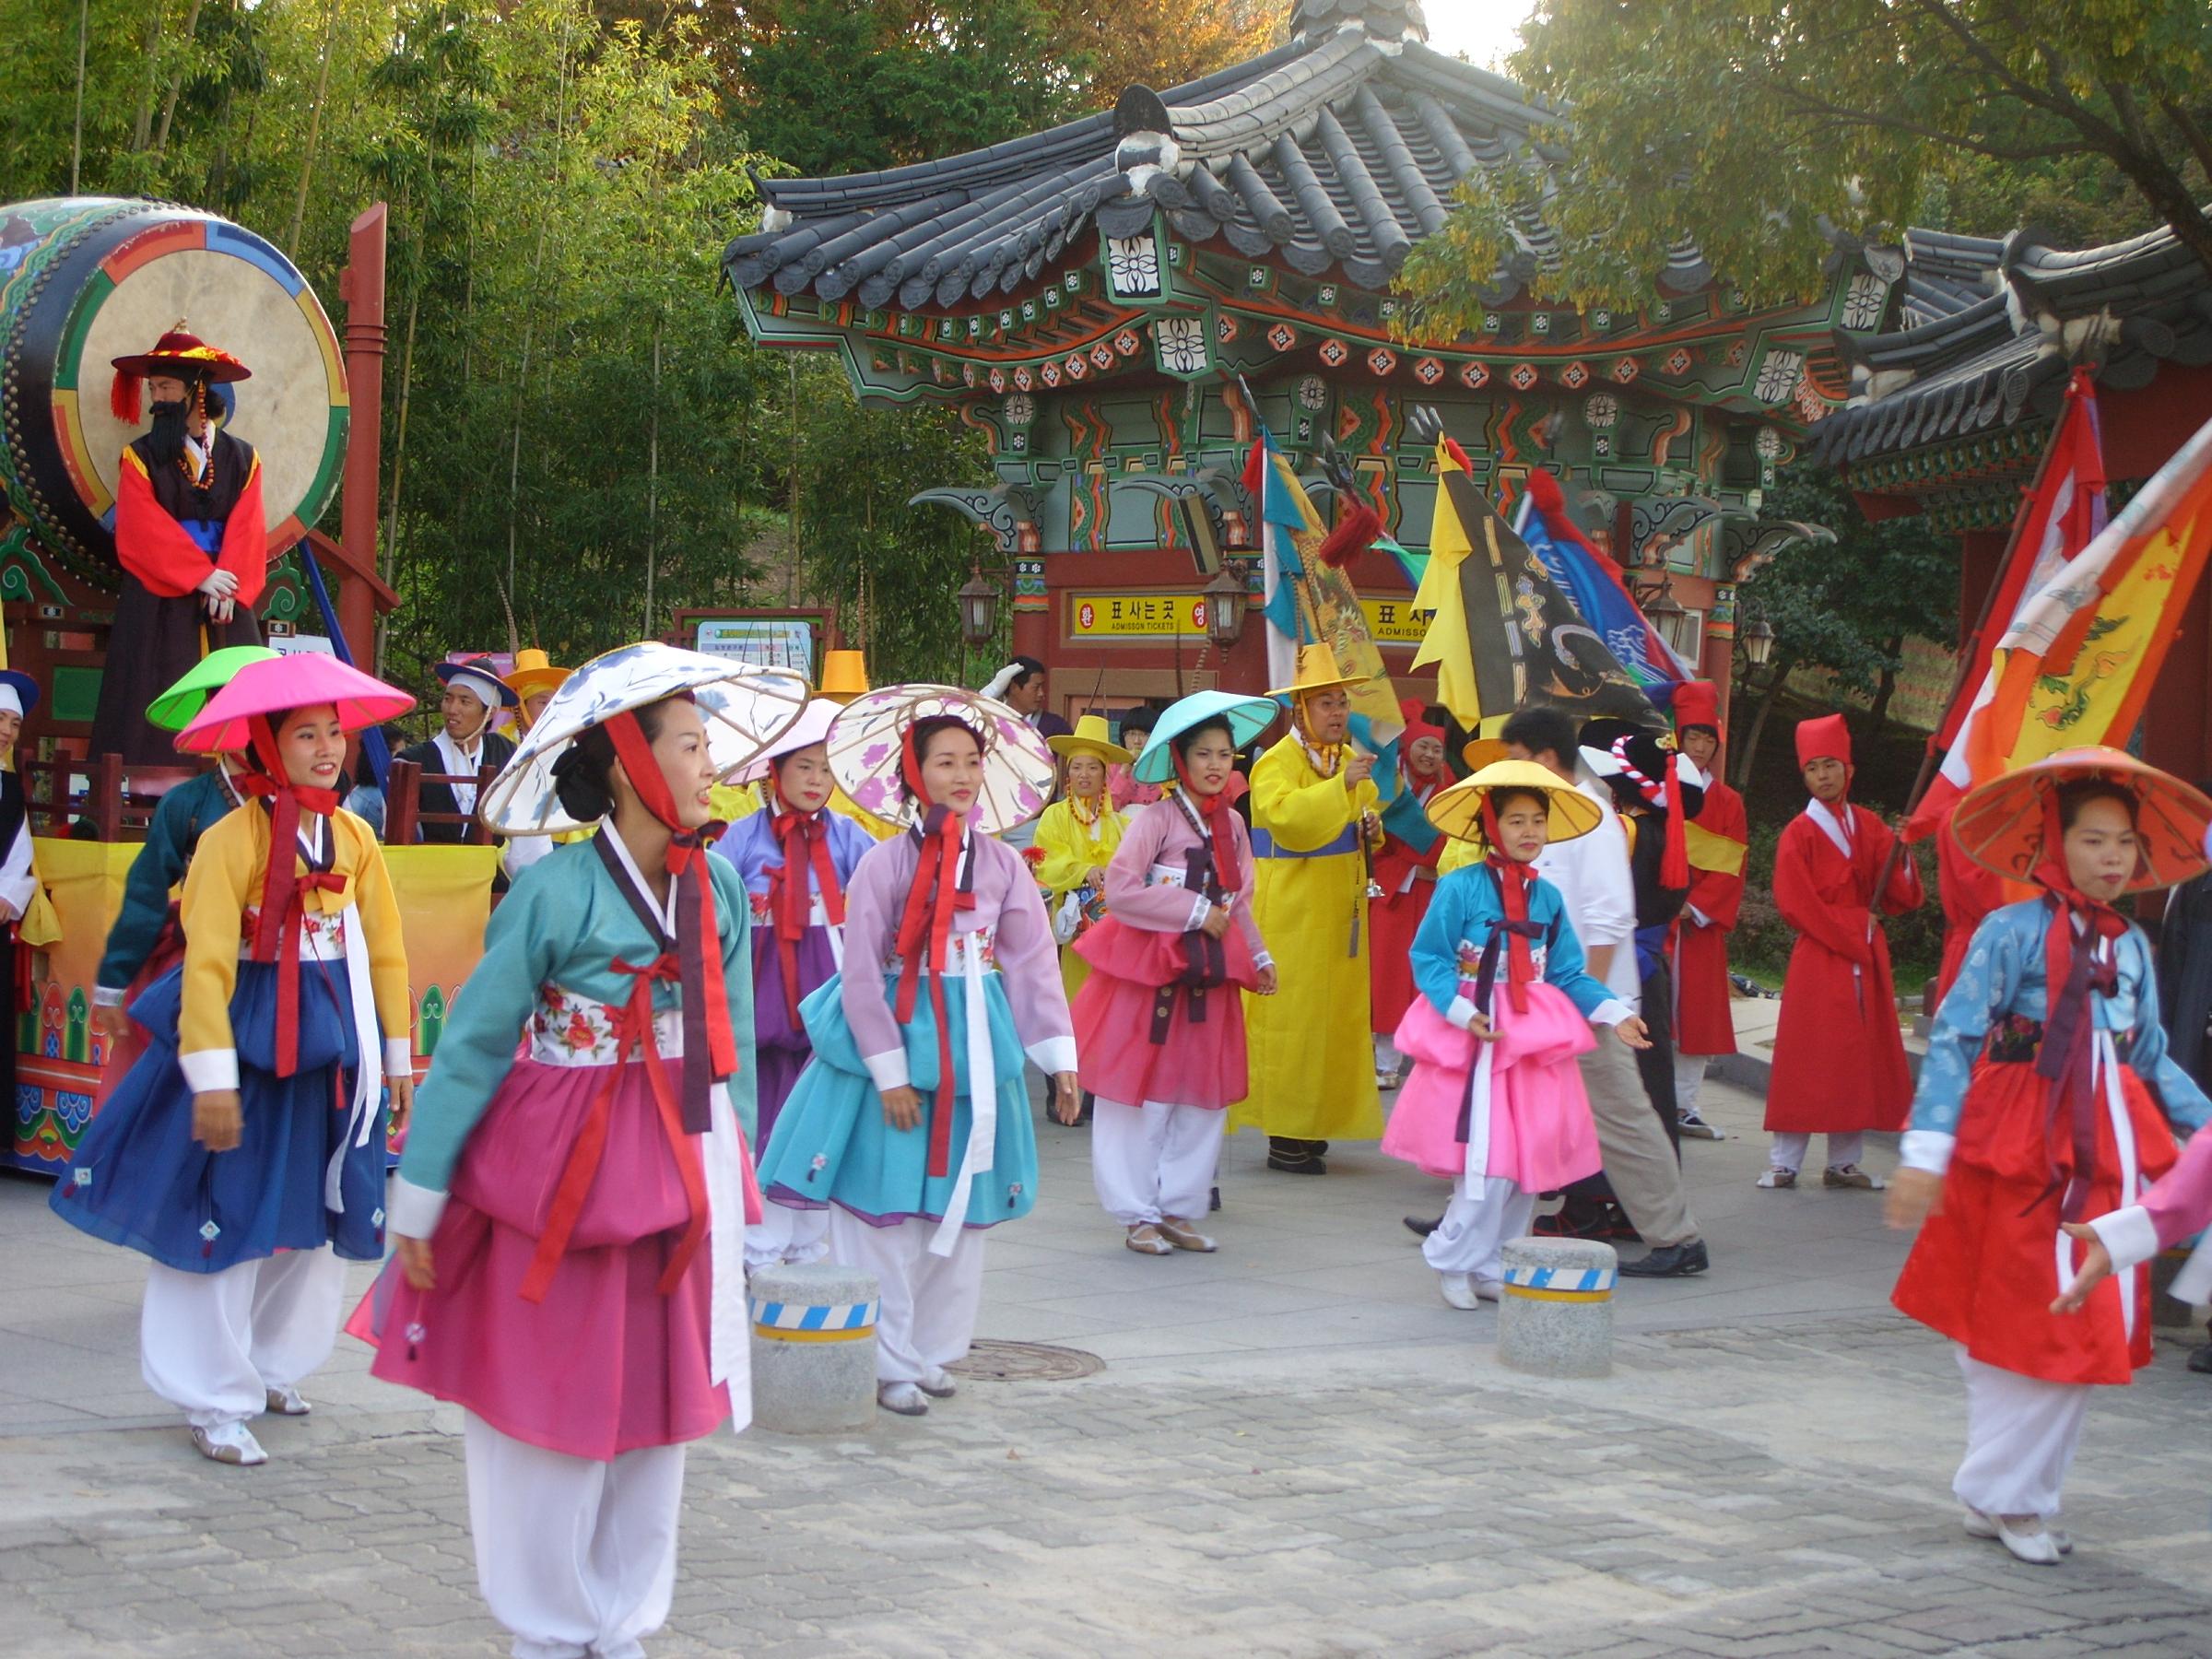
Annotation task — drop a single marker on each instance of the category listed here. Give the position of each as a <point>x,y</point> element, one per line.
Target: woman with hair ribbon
<point>911,1125</point>
<point>245,1152</point>
<point>570,1208</point>
<point>2038,1108</point>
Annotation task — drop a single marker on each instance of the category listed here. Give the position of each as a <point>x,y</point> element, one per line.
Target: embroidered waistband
<point>569,1029</point>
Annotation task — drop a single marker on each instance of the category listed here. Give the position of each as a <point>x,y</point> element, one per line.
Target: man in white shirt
<point>1592,874</point>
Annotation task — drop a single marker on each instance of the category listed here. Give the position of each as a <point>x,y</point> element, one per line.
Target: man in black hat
<point>190,534</point>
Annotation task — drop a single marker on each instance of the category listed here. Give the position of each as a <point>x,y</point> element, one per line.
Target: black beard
<point>167,439</point>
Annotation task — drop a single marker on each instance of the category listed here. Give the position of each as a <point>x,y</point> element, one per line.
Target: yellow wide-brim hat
<point>1457,809</point>
<point>1479,752</point>
<point>2001,826</point>
<point>534,672</point>
<point>1091,736</point>
<point>1317,671</point>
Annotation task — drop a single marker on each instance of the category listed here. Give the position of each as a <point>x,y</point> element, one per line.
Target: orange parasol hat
<point>2000,825</point>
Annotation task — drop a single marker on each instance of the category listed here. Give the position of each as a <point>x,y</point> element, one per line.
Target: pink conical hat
<point>285,683</point>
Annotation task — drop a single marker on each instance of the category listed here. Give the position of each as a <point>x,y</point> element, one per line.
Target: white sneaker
<point>286,1402</point>
<point>1458,1289</point>
<point>937,1384</point>
<point>229,1443</point>
<point>1775,1180</point>
<point>903,1399</point>
<point>1978,1526</point>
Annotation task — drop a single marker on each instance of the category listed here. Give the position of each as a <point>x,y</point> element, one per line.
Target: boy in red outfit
<point>1838,1057</point>
<point>1719,842</point>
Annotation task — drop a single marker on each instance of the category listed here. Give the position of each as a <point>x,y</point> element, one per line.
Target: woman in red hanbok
<point>1719,842</point>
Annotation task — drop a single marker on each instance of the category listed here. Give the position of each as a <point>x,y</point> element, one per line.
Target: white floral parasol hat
<point>864,747</point>
<point>746,709</point>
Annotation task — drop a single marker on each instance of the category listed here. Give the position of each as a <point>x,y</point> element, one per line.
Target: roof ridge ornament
<point>1145,144</point>
<point>1386,22</point>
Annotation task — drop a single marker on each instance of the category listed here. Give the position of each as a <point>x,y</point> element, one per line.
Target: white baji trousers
<point>1689,1078</point>
<point>1471,1238</point>
<point>1788,1149</point>
<point>2021,1433</point>
<point>1154,1162</point>
<point>785,1235</point>
<point>214,1344</point>
<point>574,1556</point>
<point>928,1302</point>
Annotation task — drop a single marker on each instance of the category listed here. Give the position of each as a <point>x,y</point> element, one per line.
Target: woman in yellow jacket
<point>1076,840</point>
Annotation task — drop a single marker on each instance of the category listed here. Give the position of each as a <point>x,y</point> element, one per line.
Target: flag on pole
<point>1307,592</point>
<point>2062,517</point>
<point>1595,583</point>
<point>1504,635</point>
<point>2078,662</point>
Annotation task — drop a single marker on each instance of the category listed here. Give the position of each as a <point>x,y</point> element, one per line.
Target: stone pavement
<point>1294,1449</point>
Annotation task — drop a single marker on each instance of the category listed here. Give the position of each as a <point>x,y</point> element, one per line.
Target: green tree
<point>1847,606</point>
<point>1752,125</point>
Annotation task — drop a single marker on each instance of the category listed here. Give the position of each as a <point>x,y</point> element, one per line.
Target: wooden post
<point>478,832</point>
<point>107,796</point>
<point>403,789</point>
<point>361,286</point>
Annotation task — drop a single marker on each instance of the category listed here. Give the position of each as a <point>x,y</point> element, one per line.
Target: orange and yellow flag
<point>2079,660</point>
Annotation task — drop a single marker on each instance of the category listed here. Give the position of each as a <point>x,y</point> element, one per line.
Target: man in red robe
<point>1719,842</point>
<point>1839,1056</point>
<point>190,534</point>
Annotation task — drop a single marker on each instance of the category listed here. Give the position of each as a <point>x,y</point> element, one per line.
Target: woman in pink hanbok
<point>1495,1103</point>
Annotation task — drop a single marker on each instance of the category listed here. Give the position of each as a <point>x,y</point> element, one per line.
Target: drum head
<point>134,272</point>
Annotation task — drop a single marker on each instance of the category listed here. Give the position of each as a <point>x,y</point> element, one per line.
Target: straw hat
<point>866,746</point>
<point>2000,825</point>
<point>811,727</point>
<point>276,685</point>
<point>1457,809</point>
<point>534,672</point>
<point>844,675</point>
<point>1091,736</point>
<point>1317,671</point>
<point>180,705</point>
<point>1478,752</point>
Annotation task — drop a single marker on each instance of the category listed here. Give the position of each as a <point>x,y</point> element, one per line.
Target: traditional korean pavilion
<point>1954,394</point>
<point>1088,294</point>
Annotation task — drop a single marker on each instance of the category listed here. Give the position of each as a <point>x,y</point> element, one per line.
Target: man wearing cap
<point>190,534</point>
<point>1838,1057</point>
<point>1314,819</point>
<point>1718,845</point>
<point>474,696</point>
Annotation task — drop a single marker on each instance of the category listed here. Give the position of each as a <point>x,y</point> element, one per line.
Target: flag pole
<point>1968,659</point>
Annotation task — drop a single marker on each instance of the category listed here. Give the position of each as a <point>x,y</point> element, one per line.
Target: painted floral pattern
<point>568,1029</point>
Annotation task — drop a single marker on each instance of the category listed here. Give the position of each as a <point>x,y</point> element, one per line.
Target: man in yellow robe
<point>1314,817</point>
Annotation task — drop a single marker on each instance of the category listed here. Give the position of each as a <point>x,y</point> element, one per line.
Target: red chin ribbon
<point>1215,813</point>
<point>2070,972</point>
<point>284,885</point>
<point>925,929</point>
<point>1513,878</point>
<point>805,838</point>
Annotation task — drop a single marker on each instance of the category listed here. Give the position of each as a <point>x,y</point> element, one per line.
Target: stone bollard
<point>814,1349</point>
<point>1556,1315</point>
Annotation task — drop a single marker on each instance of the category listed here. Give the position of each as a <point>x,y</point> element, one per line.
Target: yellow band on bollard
<point>776,1334</point>
<point>1533,1294</point>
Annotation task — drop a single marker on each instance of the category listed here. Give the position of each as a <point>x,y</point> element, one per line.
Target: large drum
<point>88,279</point>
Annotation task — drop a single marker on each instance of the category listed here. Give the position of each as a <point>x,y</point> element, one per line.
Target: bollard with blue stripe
<point>814,1349</point>
<point>1555,1316</point>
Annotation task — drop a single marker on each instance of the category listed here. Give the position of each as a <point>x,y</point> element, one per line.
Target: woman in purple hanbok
<point>798,938</point>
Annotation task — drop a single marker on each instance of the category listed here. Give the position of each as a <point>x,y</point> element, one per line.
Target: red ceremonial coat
<point>1968,892</point>
<point>1839,1056</point>
<point>1702,1022</point>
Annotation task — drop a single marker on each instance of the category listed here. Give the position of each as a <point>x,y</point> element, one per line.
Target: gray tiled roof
<point>1334,153</point>
<point>1989,328</point>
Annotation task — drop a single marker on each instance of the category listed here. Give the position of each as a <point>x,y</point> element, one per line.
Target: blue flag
<point>1605,607</point>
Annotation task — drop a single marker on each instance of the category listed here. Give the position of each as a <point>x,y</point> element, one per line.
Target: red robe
<point>1703,1024</point>
<point>1839,1054</point>
<point>1968,892</point>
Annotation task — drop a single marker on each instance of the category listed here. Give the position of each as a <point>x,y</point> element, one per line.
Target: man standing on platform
<point>1719,844</point>
<point>473,696</point>
<point>190,534</point>
<point>1313,824</point>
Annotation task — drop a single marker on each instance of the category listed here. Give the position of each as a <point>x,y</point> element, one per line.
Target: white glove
<point>220,583</point>
<point>220,611</point>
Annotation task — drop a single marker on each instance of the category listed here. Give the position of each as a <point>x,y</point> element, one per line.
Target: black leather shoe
<point>1420,1228</point>
<point>1670,1261</point>
<point>1213,1200</point>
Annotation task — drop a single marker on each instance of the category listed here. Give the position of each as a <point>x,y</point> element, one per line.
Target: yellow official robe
<point>1313,1055</point>
<point>1071,851</point>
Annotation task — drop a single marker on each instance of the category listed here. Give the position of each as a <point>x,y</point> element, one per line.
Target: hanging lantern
<point>1224,608</point>
<point>978,610</point>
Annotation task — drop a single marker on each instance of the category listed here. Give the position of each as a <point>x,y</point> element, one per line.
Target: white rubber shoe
<point>1458,1289</point>
<point>903,1399</point>
<point>286,1402</point>
<point>937,1384</point>
<point>229,1443</point>
<point>2024,1536</point>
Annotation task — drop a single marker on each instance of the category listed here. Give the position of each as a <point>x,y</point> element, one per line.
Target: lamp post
<point>1759,642</point>
<point>1224,598</point>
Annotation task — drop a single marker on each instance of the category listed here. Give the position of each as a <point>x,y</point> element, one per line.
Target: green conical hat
<point>180,705</point>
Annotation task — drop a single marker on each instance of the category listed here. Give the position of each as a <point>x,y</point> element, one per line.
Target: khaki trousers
<point>1639,1161</point>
